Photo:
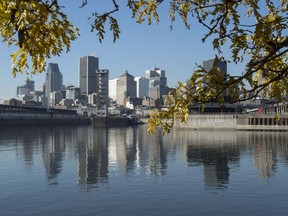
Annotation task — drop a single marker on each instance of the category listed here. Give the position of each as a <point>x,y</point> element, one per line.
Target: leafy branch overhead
<point>99,21</point>
<point>255,31</point>
<point>38,28</point>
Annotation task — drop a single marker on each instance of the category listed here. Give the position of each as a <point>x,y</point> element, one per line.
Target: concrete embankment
<point>4,122</point>
<point>234,122</point>
<point>110,121</point>
<point>34,116</point>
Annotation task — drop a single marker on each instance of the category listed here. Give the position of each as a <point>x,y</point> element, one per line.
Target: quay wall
<point>20,121</point>
<point>215,122</point>
<point>234,122</point>
<point>34,116</point>
<point>110,121</point>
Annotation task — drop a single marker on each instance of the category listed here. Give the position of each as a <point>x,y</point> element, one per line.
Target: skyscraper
<point>88,65</point>
<point>142,87</point>
<point>157,75</point>
<point>222,65</point>
<point>102,80</point>
<point>26,88</point>
<point>126,87</point>
<point>53,79</point>
<point>72,92</point>
<point>157,83</point>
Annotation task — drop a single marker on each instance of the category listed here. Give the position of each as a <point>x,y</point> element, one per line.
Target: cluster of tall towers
<point>95,88</point>
<point>127,87</point>
<point>93,82</point>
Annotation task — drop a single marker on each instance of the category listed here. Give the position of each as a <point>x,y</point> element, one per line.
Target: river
<point>73,170</point>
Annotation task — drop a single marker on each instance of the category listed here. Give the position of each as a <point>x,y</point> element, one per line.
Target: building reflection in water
<point>47,142</point>
<point>132,149</point>
<point>93,157</point>
<point>53,153</point>
<point>101,153</point>
<point>266,148</point>
<point>216,151</point>
<point>220,151</point>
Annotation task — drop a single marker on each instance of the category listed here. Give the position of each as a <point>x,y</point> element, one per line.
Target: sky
<point>140,47</point>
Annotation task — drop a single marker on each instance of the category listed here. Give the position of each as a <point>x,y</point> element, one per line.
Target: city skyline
<point>89,68</point>
<point>139,48</point>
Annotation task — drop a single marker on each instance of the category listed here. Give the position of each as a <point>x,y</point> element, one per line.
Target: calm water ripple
<point>124,171</point>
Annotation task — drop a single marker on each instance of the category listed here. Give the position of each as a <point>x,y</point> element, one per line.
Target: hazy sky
<point>139,48</point>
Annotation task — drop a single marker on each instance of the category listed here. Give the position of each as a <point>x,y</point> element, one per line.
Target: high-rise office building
<point>157,75</point>
<point>157,83</point>
<point>26,88</point>
<point>72,92</point>
<point>222,65</point>
<point>53,80</point>
<point>102,89</point>
<point>88,65</point>
<point>56,97</point>
<point>142,87</point>
<point>126,87</point>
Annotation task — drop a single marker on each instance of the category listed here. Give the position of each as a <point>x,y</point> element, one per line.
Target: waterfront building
<point>32,103</point>
<point>67,103</point>
<point>132,103</point>
<point>94,99</point>
<point>126,87</point>
<point>151,103</point>
<point>26,88</point>
<point>88,65</point>
<point>113,89</point>
<point>56,97</point>
<point>43,99</point>
<point>142,87</point>
<point>53,80</point>
<point>13,102</point>
<point>22,90</point>
<point>72,92</point>
<point>154,92</point>
<point>24,97</point>
<point>90,111</point>
<point>30,84</point>
<point>36,96</point>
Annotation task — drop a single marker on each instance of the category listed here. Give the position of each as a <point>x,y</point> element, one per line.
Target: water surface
<point>124,171</point>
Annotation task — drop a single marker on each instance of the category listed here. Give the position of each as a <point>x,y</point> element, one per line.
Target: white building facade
<point>113,89</point>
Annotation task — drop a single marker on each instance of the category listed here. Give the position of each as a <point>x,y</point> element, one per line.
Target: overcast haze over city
<point>139,48</point>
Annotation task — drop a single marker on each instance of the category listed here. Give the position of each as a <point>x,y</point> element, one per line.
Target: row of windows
<point>268,121</point>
